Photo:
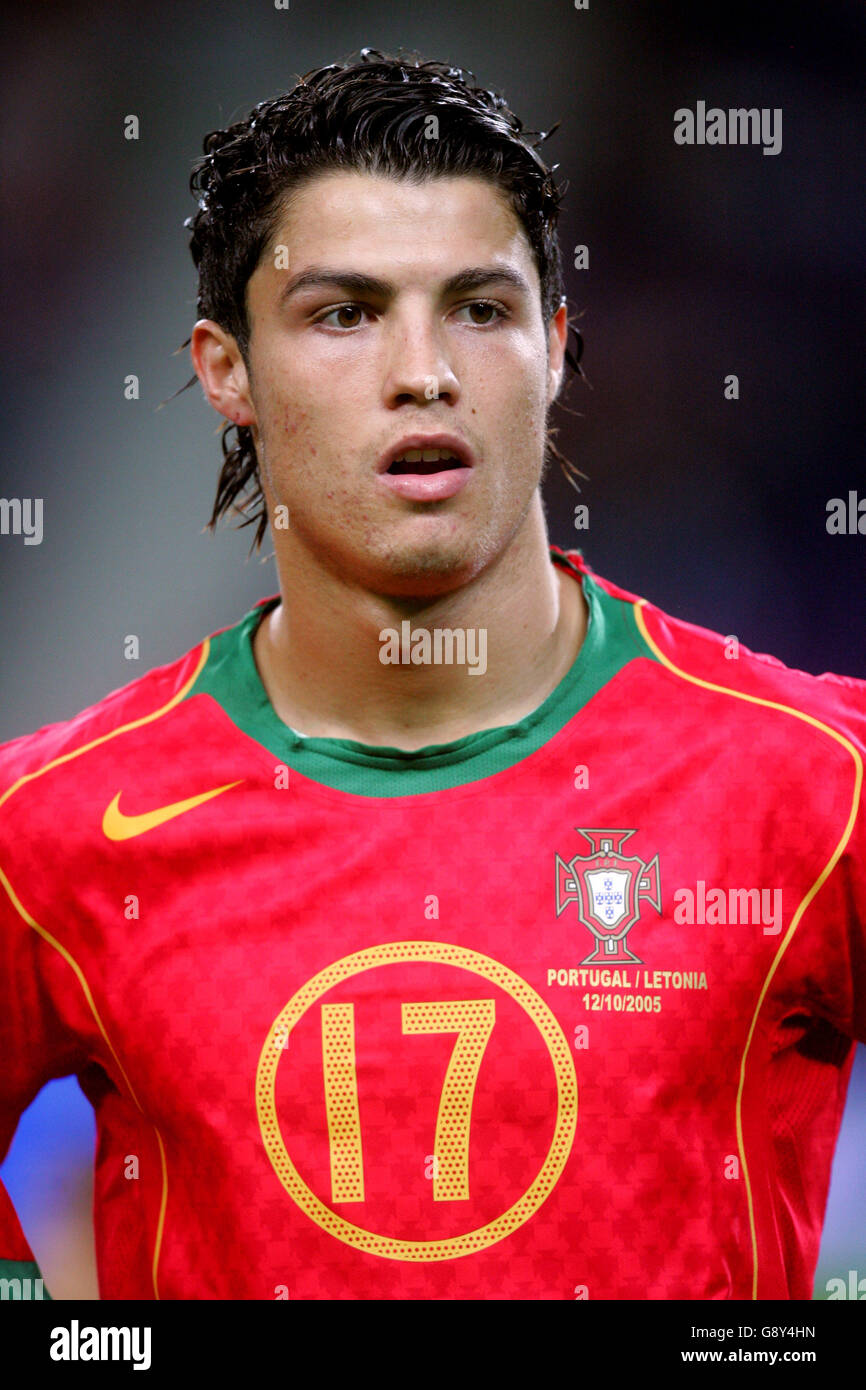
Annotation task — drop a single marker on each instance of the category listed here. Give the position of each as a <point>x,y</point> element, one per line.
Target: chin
<point>427,570</point>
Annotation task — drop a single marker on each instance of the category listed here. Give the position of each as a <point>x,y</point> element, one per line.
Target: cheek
<point>305,417</point>
<point>517,387</point>
<point>290,423</point>
<point>287,451</point>
<point>524,412</point>
<point>287,421</point>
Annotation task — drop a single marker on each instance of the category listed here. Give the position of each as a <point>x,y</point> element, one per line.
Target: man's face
<point>342,372</point>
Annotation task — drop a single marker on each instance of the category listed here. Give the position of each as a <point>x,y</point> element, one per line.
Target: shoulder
<point>142,700</point>
<point>701,659</point>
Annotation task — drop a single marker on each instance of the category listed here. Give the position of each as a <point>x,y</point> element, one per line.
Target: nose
<point>418,366</point>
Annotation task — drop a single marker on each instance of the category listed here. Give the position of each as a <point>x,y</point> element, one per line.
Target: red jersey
<point>563,1009</point>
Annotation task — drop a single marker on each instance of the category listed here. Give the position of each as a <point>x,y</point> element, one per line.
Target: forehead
<point>380,223</point>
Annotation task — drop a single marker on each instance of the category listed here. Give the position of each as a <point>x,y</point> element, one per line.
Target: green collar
<point>231,678</point>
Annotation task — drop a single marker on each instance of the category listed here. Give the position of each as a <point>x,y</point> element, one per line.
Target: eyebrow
<point>473,278</point>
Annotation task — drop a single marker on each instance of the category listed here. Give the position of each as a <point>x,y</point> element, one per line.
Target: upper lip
<point>456,446</point>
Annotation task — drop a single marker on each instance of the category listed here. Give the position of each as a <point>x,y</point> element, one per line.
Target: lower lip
<point>427,487</point>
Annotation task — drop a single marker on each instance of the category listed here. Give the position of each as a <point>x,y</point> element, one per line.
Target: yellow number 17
<point>472,1020</point>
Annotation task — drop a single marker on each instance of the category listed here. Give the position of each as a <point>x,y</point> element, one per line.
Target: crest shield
<point>608,888</point>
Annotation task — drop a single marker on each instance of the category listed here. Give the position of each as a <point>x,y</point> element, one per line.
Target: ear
<point>220,368</point>
<point>556,343</point>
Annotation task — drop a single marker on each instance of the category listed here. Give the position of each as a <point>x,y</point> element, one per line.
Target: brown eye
<point>483,312</point>
<point>341,313</point>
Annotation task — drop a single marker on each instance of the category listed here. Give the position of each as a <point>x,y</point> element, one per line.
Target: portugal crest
<point>608,888</point>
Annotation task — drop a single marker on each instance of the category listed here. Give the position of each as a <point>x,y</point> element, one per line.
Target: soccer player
<point>456,924</point>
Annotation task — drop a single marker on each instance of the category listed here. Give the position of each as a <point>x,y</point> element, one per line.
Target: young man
<point>457,925</point>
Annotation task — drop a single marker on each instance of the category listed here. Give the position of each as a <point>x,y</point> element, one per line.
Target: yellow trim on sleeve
<point>795,920</point>
<point>68,957</point>
<point>121,729</point>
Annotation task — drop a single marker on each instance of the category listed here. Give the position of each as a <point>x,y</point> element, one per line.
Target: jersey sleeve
<point>835,919</point>
<point>34,1047</point>
<point>849,911</point>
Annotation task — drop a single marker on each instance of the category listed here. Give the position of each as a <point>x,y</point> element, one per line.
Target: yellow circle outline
<point>428,952</point>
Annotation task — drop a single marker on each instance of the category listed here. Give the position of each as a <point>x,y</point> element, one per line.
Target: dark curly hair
<point>368,115</point>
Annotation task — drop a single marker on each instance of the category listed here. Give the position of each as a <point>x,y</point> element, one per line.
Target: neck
<point>515,630</point>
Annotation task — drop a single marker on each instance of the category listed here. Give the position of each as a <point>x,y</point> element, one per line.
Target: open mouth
<point>426,461</point>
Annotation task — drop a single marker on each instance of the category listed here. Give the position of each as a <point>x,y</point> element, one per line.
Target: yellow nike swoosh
<point>117,826</point>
